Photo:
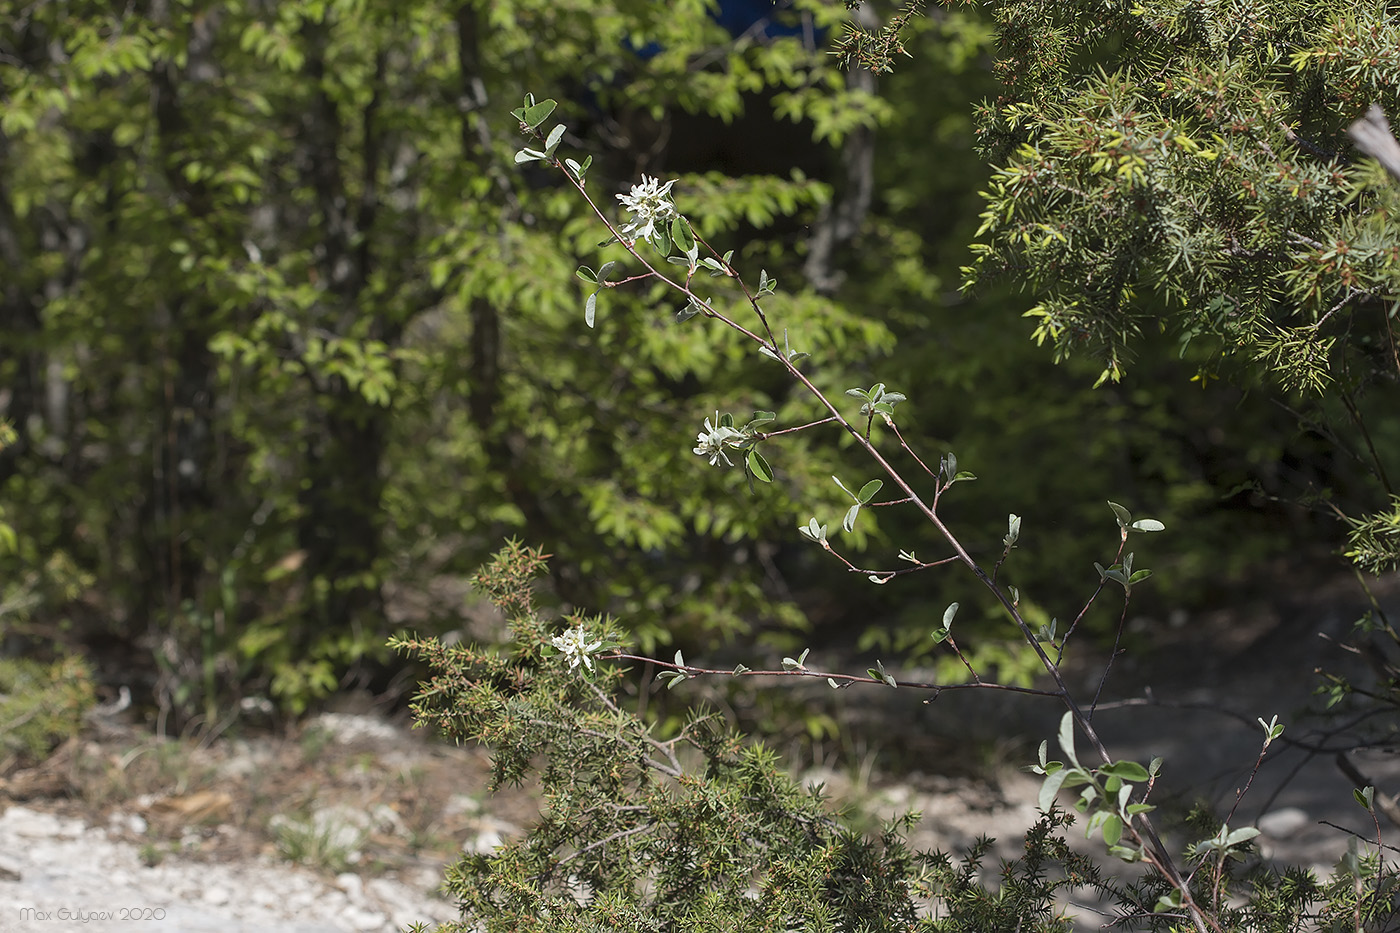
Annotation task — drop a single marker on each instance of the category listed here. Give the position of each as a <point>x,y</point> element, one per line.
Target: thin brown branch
<point>691,670</point>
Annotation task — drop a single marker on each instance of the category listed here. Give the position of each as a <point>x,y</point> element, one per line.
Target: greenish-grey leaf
<point>1243,834</point>
<point>1050,788</point>
<point>1112,829</point>
<point>868,491</point>
<point>537,114</point>
<point>661,240</point>
<point>680,233</point>
<point>590,309</point>
<point>1127,770</point>
<point>1126,853</point>
<point>552,142</point>
<point>759,467</point>
<point>1067,738</point>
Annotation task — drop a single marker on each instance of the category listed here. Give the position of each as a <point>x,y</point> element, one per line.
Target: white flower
<point>574,645</point>
<point>649,203</point>
<point>711,441</point>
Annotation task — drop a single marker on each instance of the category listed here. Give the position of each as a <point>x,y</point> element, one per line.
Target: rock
<point>462,805</point>
<point>128,822</point>
<point>383,819</point>
<point>360,919</point>
<point>347,728</point>
<point>30,823</point>
<point>488,834</point>
<point>1282,823</point>
<point>483,843</point>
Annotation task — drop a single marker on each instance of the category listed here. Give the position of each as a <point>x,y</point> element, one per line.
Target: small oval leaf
<point>1112,830</point>
<point>680,233</point>
<point>1050,788</point>
<point>759,467</point>
<point>552,142</point>
<point>1127,770</point>
<point>537,114</point>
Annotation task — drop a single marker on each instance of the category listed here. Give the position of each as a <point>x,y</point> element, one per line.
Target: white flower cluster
<point>649,204</point>
<point>576,648</point>
<point>712,441</point>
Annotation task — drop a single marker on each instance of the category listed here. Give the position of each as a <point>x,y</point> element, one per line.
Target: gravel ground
<point>91,867</point>
<point>58,873</point>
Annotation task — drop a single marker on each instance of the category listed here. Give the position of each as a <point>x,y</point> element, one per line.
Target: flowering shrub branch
<point>1112,795</point>
<point>654,220</point>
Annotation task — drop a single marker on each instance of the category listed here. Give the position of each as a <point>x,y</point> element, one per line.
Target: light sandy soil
<point>343,826</point>
<point>125,832</point>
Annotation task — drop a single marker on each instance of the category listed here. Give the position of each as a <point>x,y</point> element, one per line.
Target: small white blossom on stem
<point>649,204</point>
<point>575,646</point>
<point>711,441</point>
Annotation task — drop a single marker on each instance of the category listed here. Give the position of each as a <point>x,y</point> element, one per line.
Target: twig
<point>691,670</point>
<point>1352,832</point>
<point>1108,665</point>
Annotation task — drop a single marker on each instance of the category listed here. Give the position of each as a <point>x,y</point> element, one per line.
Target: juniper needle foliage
<point>1186,166</point>
<point>699,831</point>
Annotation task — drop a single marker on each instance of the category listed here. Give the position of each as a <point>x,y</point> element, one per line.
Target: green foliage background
<point>285,330</point>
